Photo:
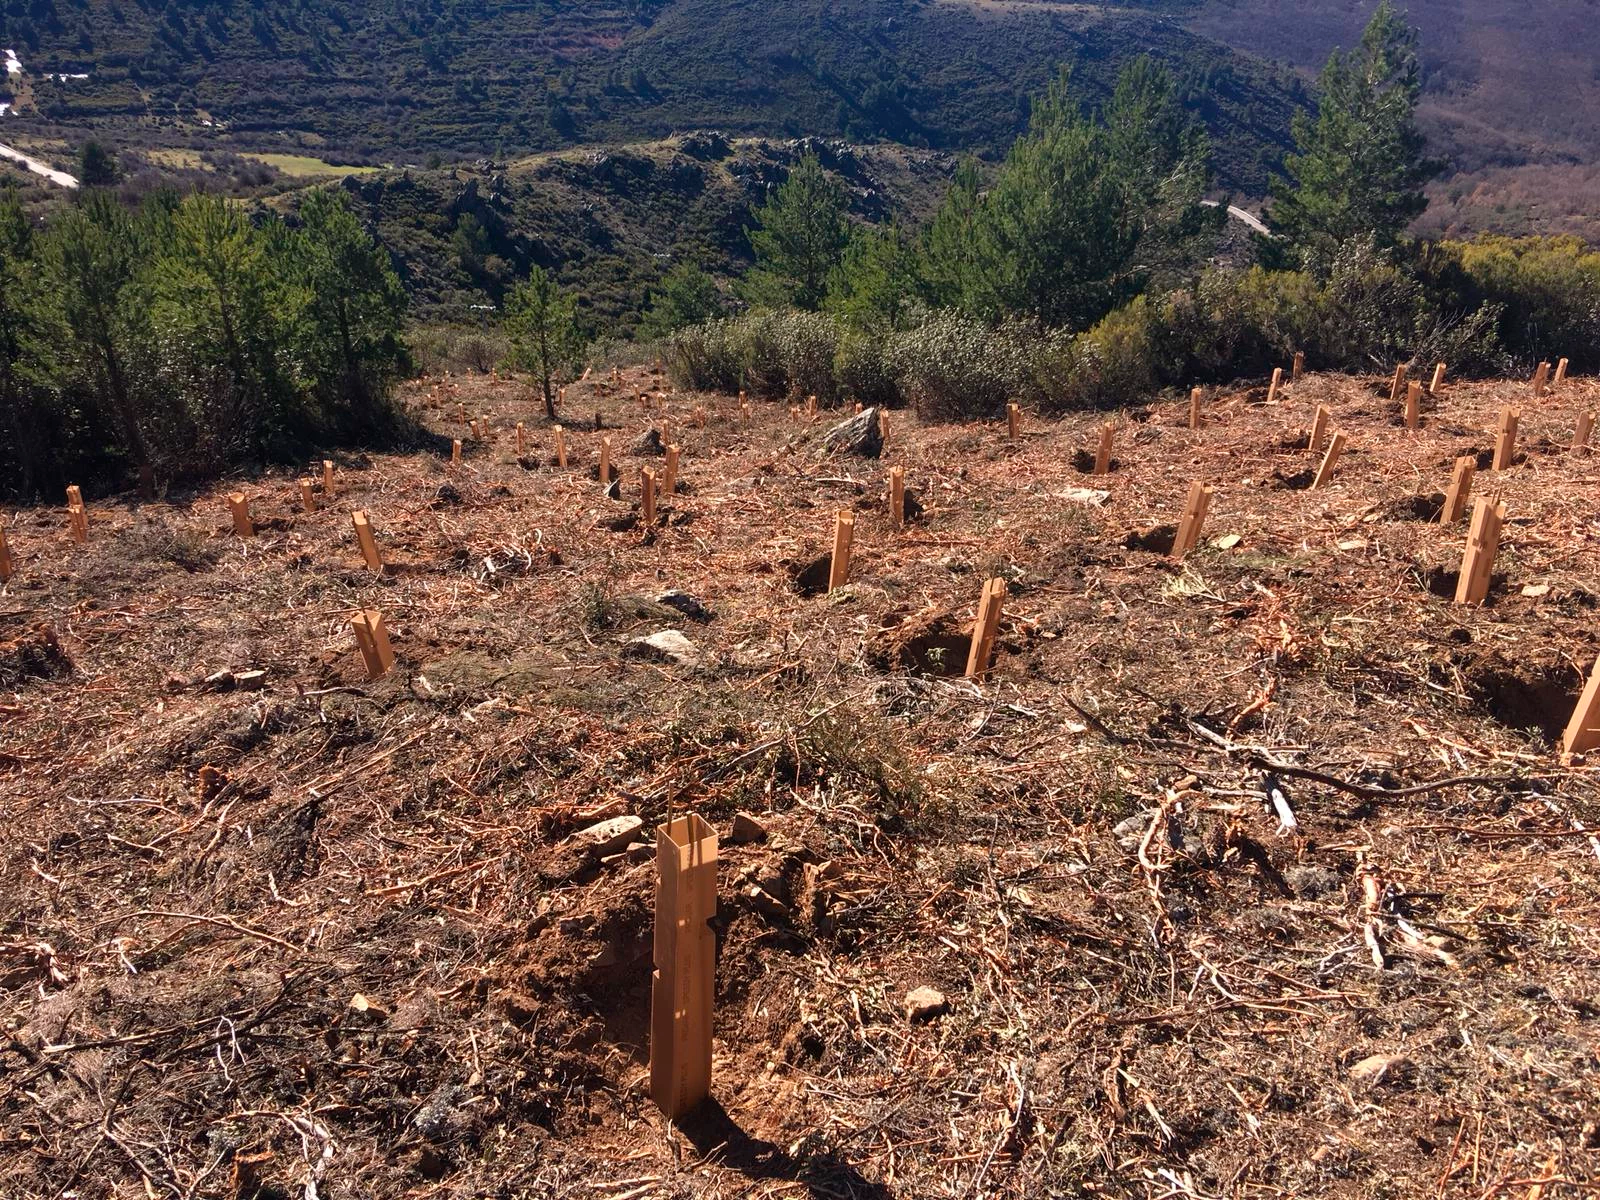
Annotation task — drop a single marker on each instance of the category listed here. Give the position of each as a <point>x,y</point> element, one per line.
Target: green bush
<point>439,348</point>
<point>953,366</point>
<point>767,352</point>
<point>706,357</point>
<point>863,370</point>
<point>1234,323</point>
<point>1547,291</point>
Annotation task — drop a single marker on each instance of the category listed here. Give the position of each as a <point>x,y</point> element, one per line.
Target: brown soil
<point>304,934</point>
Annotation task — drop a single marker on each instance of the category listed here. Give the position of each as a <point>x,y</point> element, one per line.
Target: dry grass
<point>1155,991</point>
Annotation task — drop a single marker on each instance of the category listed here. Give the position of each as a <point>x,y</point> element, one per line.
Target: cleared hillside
<point>267,925</point>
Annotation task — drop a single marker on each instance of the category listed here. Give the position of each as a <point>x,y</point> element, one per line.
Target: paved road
<point>1239,214</point>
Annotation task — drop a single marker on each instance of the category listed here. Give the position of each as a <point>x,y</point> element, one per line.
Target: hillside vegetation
<point>611,222</point>
<point>393,82</point>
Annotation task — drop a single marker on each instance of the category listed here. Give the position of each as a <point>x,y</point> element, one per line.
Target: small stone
<point>767,904</point>
<point>1130,831</point>
<point>1382,1068</point>
<point>746,829</point>
<point>925,1003</point>
<point>250,681</point>
<point>363,1009</point>
<point>608,837</point>
<point>1091,496</point>
<point>670,645</point>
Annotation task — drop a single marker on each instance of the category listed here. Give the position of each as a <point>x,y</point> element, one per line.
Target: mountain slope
<point>1511,98</point>
<point>395,81</point>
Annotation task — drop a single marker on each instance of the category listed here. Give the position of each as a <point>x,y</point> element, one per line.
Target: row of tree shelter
<point>683,984</point>
<point>1478,560</point>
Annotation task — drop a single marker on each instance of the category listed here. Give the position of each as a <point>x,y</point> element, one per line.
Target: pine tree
<point>542,322</point>
<point>686,296</point>
<point>1083,213</point>
<point>1360,168</point>
<point>25,339</point>
<point>353,306</point>
<point>875,282</point>
<point>95,256</point>
<point>947,266</point>
<point>798,239</point>
<point>97,166</point>
<point>215,306</point>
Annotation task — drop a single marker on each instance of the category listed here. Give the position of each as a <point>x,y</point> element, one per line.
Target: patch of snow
<point>13,63</point>
<point>5,107</point>
<point>63,77</point>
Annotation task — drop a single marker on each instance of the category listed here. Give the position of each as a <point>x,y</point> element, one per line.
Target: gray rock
<point>648,444</point>
<point>686,604</point>
<point>1129,831</point>
<point>861,434</point>
<point>1392,1069</point>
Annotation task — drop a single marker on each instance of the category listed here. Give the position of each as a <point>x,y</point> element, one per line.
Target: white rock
<point>670,645</point>
<point>608,837</point>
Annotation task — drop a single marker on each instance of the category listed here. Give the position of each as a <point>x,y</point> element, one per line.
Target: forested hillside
<point>396,81</point>
<point>611,224</point>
